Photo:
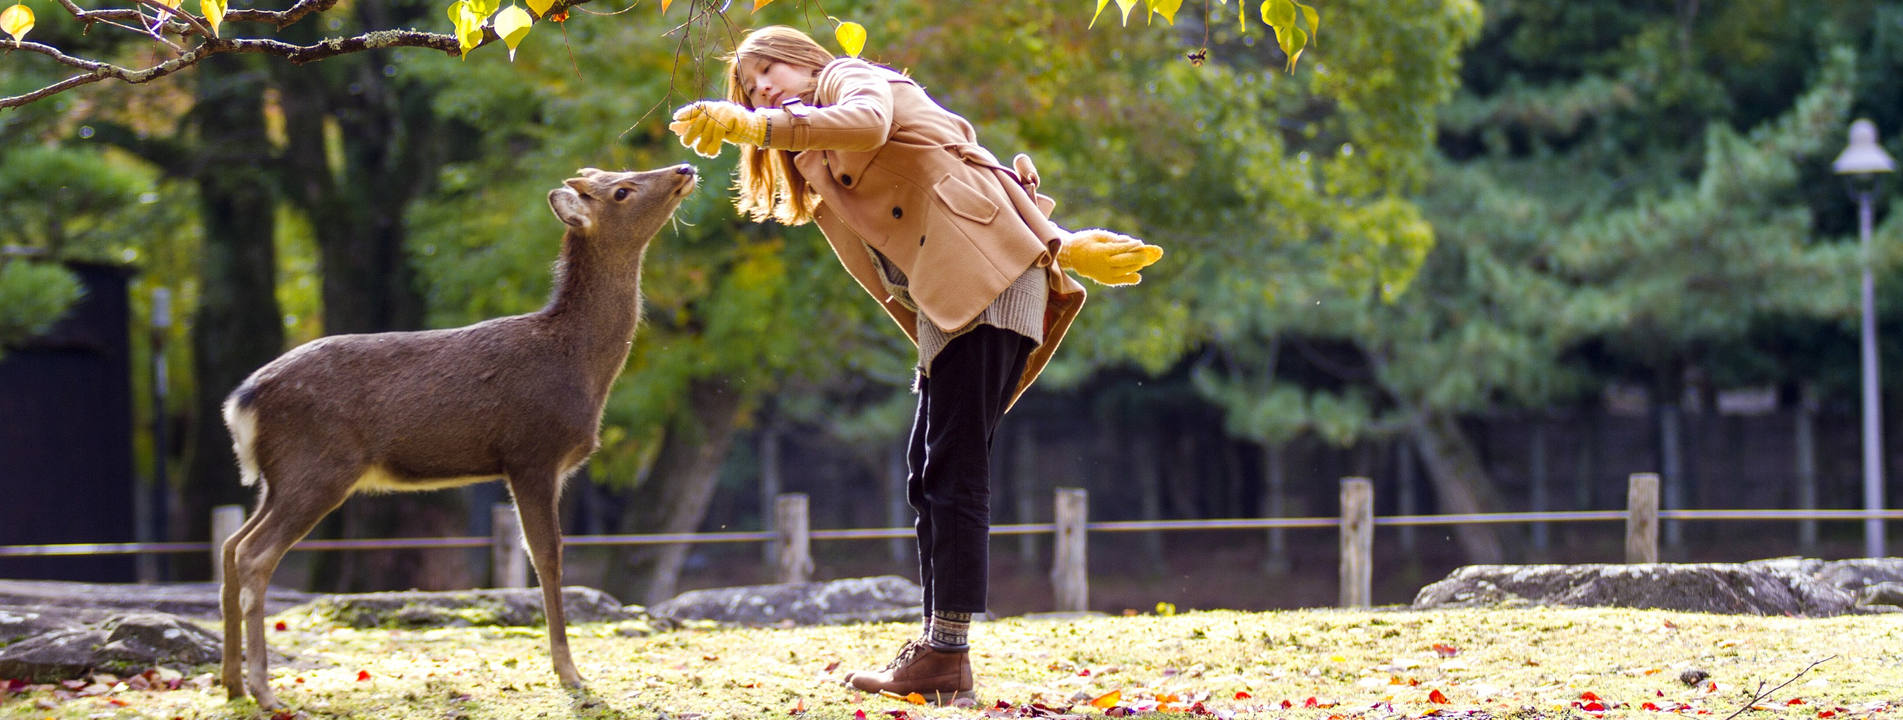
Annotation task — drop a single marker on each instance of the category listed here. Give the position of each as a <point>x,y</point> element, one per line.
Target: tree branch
<point>95,71</point>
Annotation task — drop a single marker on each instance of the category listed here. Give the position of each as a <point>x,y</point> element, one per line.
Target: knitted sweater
<point>1020,309</point>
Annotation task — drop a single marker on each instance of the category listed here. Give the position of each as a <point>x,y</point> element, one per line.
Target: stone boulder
<point>464,608</point>
<point>887,598</point>
<point>192,600</point>
<point>124,645</point>
<point>1782,586</point>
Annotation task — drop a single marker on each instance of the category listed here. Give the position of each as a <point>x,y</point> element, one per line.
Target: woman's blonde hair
<point>769,186</point>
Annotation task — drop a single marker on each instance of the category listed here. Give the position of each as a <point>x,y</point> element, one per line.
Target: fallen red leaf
<point>1795,701</point>
<point>1085,672</point>
<point>1437,697</point>
<point>1311,702</point>
<point>859,715</point>
<point>798,709</point>
<point>1593,707</point>
<point>283,715</point>
<point>1107,699</point>
<point>831,666</point>
<point>118,702</point>
<point>1826,714</point>
<point>363,675</point>
<point>1712,688</point>
<point>1588,696</point>
<point>1286,704</point>
<point>1242,695</point>
<point>1446,650</point>
<point>281,627</point>
<point>1649,706</point>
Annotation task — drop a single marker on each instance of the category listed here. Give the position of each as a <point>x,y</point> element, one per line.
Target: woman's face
<point>768,82</point>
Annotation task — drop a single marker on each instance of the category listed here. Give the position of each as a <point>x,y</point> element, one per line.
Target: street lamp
<point>1861,163</point>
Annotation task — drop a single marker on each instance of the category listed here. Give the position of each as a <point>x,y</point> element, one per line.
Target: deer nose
<point>684,169</point>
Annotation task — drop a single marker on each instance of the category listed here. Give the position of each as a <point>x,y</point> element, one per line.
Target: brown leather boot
<point>941,677</point>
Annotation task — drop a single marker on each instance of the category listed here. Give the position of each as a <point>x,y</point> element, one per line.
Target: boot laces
<point>912,648</point>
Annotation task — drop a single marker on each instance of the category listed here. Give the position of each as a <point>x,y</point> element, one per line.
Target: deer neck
<point>597,303</point>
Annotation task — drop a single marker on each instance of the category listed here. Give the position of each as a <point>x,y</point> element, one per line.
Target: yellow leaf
<point>664,4</point>
<point>17,21</point>
<point>1292,45</point>
<point>1125,6</point>
<point>540,7</point>
<point>1107,699</point>
<point>1166,8</point>
<point>1279,14</point>
<point>1314,19</point>
<point>757,4</point>
<point>468,25</point>
<point>851,37</point>
<point>214,11</point>
<point>512,24</point>
<point>913,698</point>
<point>483,9</point>
<point>1093,16</point>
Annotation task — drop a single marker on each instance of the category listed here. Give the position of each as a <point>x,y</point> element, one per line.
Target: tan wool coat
<point>896,172</point>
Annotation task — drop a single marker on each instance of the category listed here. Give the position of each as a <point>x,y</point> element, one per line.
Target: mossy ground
<point>1527,663</point>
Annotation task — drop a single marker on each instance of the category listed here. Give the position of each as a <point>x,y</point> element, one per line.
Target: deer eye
<point>621,194</point>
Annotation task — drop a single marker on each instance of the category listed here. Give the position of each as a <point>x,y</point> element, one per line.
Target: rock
<point>1774,587</point>
<point>1857,574</point>
<point>1883,593</point>
<point>20,621</point>
<point>887,598</point>
<point>464,608</point>
<point>125,645</point>
<point>192,600</point>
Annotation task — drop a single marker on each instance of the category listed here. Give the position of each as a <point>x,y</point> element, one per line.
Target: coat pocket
<point>965,200</point>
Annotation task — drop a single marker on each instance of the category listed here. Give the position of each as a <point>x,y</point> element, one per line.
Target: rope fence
<point>1071,527</point>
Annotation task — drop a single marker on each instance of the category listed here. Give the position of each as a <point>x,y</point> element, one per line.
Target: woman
<point>960,251</point>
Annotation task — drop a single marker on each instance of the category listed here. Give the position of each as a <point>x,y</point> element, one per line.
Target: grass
<point>1500,663</point>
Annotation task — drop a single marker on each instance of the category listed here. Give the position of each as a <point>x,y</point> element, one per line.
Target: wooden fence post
<point>508,560</point>
<point>1642,518</point>
<point>225,521</point>
<point>791,522</point>
<point>1069,567</point>
<point>1357,541</point>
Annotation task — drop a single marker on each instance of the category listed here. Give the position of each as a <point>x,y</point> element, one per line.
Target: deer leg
<point>278,526</point>
<point>229,608</point>
<point>535,496</point>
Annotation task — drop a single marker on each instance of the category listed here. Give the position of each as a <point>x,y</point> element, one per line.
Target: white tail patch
<point>244,439</point>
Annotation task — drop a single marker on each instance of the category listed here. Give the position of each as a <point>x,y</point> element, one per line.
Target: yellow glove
<point>1107,257</point>
<point>703,126</point>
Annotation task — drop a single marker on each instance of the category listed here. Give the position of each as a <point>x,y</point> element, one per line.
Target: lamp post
<point>1861,163</point>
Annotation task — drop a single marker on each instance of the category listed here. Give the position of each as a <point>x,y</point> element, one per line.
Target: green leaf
<point>851,37</point>
<point>512,24</point>
<point>1279,14</point>
<point>1314,19</point>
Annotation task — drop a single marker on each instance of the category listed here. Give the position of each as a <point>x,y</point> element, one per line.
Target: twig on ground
<point>1762,693</point>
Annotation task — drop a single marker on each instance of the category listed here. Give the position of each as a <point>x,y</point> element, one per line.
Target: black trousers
<point>949,462</point>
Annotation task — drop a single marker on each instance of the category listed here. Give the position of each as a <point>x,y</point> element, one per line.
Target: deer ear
<point>569,207</point>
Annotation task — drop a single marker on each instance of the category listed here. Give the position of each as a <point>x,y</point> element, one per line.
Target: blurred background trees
<point>1443,252</point>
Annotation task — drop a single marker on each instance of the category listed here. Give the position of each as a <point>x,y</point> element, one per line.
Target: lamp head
<point>1863,156</point>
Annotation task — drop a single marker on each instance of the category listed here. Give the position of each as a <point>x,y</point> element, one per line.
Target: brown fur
<point>515,398</point>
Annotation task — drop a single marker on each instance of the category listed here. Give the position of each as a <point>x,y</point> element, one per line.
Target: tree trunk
<point>237,327</point>
<point>1460,481</point>
<point>387,137</point>
<point>674,498</point>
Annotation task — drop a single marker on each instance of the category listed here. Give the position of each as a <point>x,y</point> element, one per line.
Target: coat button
<point>898,212</point>
<point>845,180</point>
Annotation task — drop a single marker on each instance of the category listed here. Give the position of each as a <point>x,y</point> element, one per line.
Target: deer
<point>515,398</point>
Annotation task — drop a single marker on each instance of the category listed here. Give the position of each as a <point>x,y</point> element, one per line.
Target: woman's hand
<point>704,125</point>
<point>1106,257</point>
